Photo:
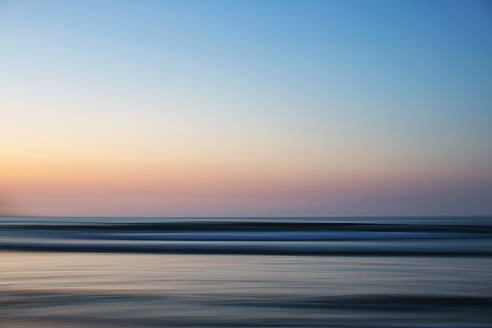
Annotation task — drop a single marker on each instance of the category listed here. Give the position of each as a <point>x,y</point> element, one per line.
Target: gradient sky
<point>246,108</point>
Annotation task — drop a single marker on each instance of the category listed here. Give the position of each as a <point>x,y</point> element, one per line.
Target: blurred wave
<point>470,236</point>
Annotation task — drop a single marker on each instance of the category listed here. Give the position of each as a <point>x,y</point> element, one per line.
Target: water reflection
<point>113,290</point>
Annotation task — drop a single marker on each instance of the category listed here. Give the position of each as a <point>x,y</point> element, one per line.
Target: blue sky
<point>301,96</point>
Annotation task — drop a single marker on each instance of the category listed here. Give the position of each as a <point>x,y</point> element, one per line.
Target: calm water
<point>129,272</point>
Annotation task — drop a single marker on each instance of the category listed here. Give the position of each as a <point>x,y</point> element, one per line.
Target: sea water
<point>246,272</point>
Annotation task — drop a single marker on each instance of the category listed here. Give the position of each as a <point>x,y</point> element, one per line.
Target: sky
<point>245,108</point>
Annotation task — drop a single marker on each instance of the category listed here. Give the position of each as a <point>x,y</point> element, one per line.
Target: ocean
<point>246,272</point>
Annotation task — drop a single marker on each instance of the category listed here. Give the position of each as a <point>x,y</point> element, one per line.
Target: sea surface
<point>246,272</point>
